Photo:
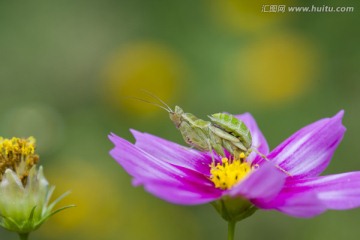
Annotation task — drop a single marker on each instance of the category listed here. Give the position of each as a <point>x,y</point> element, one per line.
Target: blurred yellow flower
<point>273,69</point>
<point>237,15</point>
<point>106,208</point>
<point>98,206</point>
<point>143,65</point>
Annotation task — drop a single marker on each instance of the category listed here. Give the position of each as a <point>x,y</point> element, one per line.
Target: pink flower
<point>182,175</point>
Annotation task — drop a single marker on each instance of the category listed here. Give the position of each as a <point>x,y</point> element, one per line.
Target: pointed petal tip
<point>134,131</point>
<point>136,134</point>
<point>111,136</point>
<point>338,117</point>
<point>244,115</point>
<point>340,114</point>
<point>115,139</point>
<point>247,114</point>
<point>303,154</point>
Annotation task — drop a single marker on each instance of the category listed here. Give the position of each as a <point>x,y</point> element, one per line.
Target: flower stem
<point>231,230</point>
<point>24,236</point>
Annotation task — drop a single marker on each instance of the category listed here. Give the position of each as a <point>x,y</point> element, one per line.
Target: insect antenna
<point>153,103</point>
<point>268,160</point>
<point>157,98</point>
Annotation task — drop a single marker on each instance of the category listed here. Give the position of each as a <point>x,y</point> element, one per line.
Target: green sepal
<point>234,209</point>
<point>53,213</point>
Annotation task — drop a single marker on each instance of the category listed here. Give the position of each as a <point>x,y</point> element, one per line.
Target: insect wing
<point>234,126</point>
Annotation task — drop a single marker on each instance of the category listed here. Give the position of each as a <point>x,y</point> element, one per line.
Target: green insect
<point>224,131</point>
<point>206,136</point>
<point>235,127</point>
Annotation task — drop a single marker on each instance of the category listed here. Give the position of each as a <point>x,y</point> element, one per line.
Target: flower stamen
<point>17,154</point>
<point>229,172</point>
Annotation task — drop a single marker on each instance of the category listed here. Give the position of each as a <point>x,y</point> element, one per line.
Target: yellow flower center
<point>17,154</point>
<point>229,172</point>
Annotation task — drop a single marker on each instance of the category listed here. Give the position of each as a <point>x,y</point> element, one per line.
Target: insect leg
<point>193,137</point>
<point>203,130</point>
<point>211,152</point>
<point>227,145</point>
<point>234,126</point>
<point>216,143</point>
<point>223,134</point>
<point>228,141</point>
<point>268,160</point>
<point>240,146</point>
<point>204,138</point>
<point>236,152</point>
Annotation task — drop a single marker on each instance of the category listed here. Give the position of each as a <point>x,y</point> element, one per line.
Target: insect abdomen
<point>234,126</point>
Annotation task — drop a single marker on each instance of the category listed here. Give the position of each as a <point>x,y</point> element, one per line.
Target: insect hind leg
<point>268,160</point>
<point>211,152</point>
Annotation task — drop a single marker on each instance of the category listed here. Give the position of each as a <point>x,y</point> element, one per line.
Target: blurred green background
<point>67,69</point>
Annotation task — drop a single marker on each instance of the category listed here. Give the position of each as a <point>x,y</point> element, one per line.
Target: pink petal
<point>171,152</point>
<point>302,205</point>
<point>183,193</point>
<point>157,175</point>
<point>308,152</point>
<point>296,202</point>
<point>310,197</point>
<point>339,191</point>
<point>264,183</point>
